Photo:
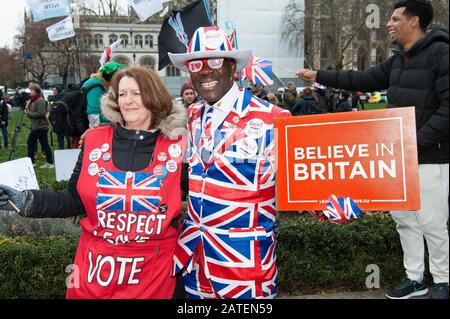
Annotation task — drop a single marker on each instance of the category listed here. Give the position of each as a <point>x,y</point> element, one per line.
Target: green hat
<point>111,67</point>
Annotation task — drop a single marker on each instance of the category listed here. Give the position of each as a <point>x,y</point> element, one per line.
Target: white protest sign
<point>65,161</point>
<point>61,30</point>
<point>18,174</point>
<point>146,8</point>
<point>45,9</point>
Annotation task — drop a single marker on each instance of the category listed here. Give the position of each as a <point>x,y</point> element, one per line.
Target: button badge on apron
<point>171,166</point>
<point>95,155</point>
<point>106,157</point>
<point>105,147</point>
<point>163,208</point>
<point>160,172</point>
<point>93,169</point>
<point>162,157</point>
<point>175,150</point>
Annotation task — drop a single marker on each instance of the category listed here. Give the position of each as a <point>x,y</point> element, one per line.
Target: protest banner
<point>61,30</point>
<point>65,161</point>
<point>370,156</point>
<point>45,9</point>
<point>18,174</point>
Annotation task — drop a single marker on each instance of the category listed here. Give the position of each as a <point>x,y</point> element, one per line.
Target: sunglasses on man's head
<point>196,66</point>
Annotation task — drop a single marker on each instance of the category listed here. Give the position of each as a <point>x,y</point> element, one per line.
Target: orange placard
<point>370,156</point>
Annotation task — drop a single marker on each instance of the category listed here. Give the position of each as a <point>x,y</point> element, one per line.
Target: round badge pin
<point>175,150</point>
<point>106,157</point>
<point>129,174</point>
<point>105,148</point>
<point>171,166</point>
<point>95,155</point>
<point>101,172</point>
<point>247,148</point>
<point>93,169</point>
<point>160,172</point>
<point>235,120</point>
<point>255,128</point>
<point>162,157</point>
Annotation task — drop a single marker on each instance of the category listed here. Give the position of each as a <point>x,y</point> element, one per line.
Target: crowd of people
<point>129,178</point>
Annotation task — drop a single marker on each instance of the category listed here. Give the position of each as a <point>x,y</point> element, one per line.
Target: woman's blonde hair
<point>154,94</point>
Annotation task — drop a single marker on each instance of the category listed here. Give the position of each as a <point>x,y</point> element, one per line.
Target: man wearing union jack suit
<point>227,246</point>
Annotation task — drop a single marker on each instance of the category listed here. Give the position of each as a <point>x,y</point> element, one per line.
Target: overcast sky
<point>11,17</point>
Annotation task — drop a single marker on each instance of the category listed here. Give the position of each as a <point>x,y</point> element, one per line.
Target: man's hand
<point>307,75</point>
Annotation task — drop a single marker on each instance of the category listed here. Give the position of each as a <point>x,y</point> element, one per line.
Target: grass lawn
<point>44,176</point>
<point>374,106</point>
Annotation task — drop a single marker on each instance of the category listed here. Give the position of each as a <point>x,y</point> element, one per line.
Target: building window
<point>147,62</point>
<point>98,39</point>
<point>112,38</point>
<point>138,41</point>
<point>122,60</point>
<point>172,71</point>
<point>124,39</point>
<point>149,41</point>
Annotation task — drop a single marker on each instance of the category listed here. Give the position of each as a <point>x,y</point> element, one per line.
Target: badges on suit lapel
<point>255,128</point>
<point>95,155</point>
<point>175,150</point>
<point>246,148</point>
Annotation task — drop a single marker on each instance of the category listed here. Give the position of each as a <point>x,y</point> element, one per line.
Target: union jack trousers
<point>227,247</point>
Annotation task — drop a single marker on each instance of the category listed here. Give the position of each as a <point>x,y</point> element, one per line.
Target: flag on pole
<point>61,30</point>
<point>45,9</point>
<point>259,71</point>
<point>230,31</point>
<point>178,28</point>
<point>107,54</point>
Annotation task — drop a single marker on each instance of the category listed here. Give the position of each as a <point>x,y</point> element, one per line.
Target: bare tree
<point>10,67</point>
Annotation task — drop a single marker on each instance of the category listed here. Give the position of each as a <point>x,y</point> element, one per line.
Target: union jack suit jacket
<point>231,207</point>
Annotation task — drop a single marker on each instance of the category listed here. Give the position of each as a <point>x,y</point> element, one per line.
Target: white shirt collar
<point>226,103</point>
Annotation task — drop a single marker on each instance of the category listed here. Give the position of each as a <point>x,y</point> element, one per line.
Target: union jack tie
<point>208,142</point>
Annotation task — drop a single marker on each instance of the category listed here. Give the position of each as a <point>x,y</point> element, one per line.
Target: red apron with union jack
<point>127,241</point>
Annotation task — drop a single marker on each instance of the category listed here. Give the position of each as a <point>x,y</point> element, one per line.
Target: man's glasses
<point>196,66</point>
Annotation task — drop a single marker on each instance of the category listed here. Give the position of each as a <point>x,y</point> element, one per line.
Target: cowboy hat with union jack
<point>210,42</point>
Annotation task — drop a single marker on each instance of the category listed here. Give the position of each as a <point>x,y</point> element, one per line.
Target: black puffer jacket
<point>417,77</point>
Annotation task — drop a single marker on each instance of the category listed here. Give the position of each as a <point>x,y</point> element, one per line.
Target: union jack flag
<point>131,192</point>
<point>341,210</point>
<point>259,71</point>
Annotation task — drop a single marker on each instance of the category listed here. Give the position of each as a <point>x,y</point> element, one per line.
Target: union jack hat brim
<point>210,42</point>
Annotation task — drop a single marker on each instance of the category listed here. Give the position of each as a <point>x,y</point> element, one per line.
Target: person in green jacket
<point>36,110</point>
<point>96,86</point>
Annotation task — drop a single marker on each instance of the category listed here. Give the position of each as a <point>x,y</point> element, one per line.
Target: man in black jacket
<point>416,75</point>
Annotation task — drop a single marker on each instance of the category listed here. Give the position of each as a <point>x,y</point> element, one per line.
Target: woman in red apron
<point>127,181</point>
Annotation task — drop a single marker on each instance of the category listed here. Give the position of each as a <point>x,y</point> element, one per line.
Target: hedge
<point>312,257</point>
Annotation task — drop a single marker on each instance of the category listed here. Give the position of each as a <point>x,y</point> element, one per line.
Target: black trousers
<point>61,138</point>
<point>40,135</point>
